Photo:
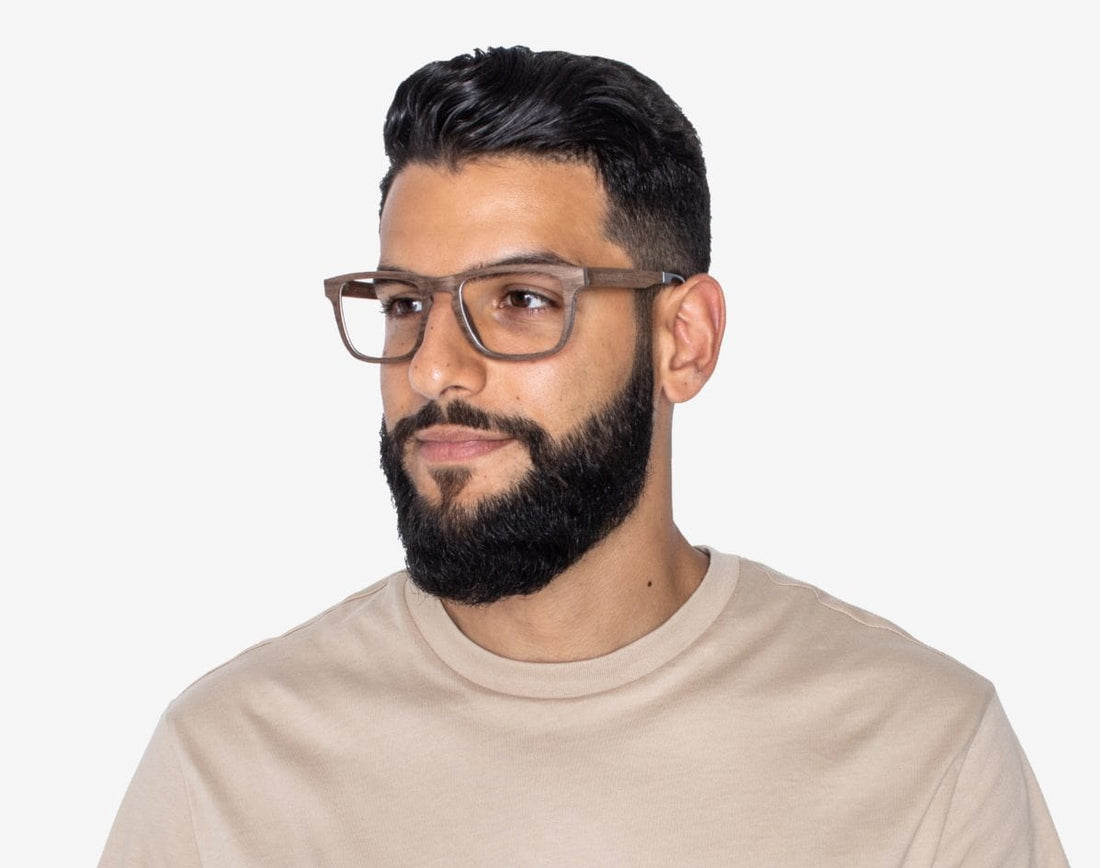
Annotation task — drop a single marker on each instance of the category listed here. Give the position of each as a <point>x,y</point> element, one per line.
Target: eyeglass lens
<point>511,314</point>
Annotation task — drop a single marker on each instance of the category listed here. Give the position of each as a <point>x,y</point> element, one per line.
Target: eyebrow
<point>531,257</point>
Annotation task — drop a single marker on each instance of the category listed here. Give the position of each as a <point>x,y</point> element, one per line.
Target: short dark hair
<point>565,106</point>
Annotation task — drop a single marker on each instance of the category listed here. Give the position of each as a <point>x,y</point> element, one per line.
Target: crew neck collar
<point>581,677</point>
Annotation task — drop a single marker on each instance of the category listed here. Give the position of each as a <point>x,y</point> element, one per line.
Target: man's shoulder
<point>327,646</point>
<point>837,641</point>
<point>773,588</point>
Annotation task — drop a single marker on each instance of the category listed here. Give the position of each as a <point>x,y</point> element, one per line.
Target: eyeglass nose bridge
<point>452,285</point>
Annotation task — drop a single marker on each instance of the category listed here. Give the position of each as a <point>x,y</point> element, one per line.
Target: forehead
<point>442,220</point>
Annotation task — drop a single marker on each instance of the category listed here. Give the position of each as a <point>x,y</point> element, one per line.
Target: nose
<point>446,363</point>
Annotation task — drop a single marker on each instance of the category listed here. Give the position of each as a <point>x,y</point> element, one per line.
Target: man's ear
<point>689,320</point>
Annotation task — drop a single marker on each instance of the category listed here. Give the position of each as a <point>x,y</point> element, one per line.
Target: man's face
<point>437,222</point>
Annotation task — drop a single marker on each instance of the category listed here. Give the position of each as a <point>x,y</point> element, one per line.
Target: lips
<point>456,443</point>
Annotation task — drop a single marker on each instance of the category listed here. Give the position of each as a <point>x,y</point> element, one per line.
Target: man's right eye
<point>402,306</point>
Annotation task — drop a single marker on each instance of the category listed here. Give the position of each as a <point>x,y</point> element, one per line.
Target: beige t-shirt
<point>764,724</point>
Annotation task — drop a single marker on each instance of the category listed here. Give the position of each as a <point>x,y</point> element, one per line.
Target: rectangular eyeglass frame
<point>573,279</point>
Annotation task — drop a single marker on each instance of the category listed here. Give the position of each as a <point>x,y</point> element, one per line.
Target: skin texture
<point>439,221</point>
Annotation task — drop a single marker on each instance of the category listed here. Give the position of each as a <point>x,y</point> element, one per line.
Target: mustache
<point>529,433</point>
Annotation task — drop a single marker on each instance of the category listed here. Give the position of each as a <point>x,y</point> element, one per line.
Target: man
<point>559,677</point>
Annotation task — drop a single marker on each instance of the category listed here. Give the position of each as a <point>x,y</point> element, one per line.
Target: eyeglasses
<point>516,312</point>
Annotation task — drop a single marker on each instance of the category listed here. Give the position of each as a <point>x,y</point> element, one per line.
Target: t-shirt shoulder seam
<point>831,604</point>
<point>852,613</point>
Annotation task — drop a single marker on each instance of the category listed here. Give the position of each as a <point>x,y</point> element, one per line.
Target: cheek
<point>397,397</point>
<point>589,372</point>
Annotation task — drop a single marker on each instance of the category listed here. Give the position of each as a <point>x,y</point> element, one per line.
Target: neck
<point>620,590</point>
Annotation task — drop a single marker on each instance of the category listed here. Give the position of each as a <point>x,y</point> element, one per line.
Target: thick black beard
<point>516,542</point>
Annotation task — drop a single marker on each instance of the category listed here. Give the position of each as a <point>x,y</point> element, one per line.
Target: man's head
<point>506,472</point>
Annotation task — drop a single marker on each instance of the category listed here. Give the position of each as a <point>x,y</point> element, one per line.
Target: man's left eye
<point>525,299</point>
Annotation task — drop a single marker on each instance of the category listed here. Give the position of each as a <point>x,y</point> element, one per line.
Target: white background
<point>906,221</point>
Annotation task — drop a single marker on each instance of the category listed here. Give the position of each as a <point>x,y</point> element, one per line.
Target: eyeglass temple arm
<point>614,278</point>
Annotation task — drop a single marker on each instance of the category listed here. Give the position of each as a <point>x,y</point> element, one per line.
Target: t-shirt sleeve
<point>997,817</point>
<point>153,827</point>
